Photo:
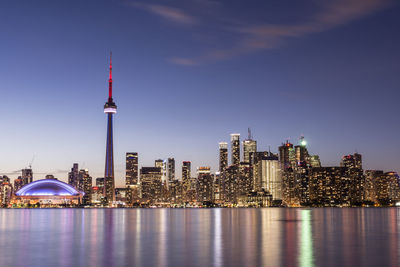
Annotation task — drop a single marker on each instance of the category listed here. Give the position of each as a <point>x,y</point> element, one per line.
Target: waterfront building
<point>121,194</point>
<point>371,178</point>
<point>86,186</point>
<point>97,195</point>
<point>131,168</point>
<point>204,187</point>
<point>329,186</point>
<point>231,184</point>
<point>245,179</point>
<point>235,149</point>
<point>218,196</point>
<point>6,191</point>
<point>110,108</point>
<point>175,192</point>
<point>387,188</point>
<point>269,175</point>
<point>353,163</point>
<point>151,185</point>
<point>186,175</point>
<point>48,192</point>
<point>258,199</point>
<point>131,175</point>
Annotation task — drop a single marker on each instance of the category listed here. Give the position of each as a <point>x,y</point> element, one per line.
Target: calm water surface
<point>200,237</point>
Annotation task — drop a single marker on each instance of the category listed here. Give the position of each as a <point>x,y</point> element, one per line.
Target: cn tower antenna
<point>110,79</point>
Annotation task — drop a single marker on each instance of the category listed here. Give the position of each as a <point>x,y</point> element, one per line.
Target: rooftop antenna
<point>249,136</point>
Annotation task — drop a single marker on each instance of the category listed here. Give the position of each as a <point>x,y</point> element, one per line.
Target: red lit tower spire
<point>110,80</point>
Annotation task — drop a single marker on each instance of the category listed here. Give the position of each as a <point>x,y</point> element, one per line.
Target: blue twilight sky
<point>188,73</point>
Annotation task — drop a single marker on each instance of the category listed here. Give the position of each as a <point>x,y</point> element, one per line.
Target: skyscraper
<point>286,153</point>
<point>269,176</point>
<point>110,109</point>
<point>171,170</point>
<point>86,186</point>
<point>73,176</point>
<point>352,161</point>
<point>235,146</point>
<point>186,173</point>
<point>131,177</point>
<point>223,156</point>
<point>150,181</point>
<point>158,163</point>
<point>249,149</point>
<point>131,164</point>
<point>27,176</point>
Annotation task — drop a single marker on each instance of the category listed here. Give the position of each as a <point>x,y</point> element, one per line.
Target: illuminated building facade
<point>131,177</point>
<point>223,156</point>
<point>204,187</point>
<point>171,170</point>
<point>231,184</point>
<point>186,175</point>
<point>86,186</point>
<point>245,178</point>
<point>286,155</point>
<point>48,192</point>
<point>371,177</point>
<point>235,148</point>
<point>151,185</point>
<point>329,186</point>
<point>249,148</point>
<point>269,176</point>
<point>6,191</point>
<point>131,170</point>
<point>387,188</point>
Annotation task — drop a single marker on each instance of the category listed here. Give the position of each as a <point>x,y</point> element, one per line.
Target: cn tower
<point>110,109</point>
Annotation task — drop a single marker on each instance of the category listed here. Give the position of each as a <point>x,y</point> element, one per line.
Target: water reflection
<point>306,243</point>
<point>200,237</point>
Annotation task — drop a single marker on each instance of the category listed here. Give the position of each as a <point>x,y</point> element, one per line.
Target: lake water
<point>200,237</point>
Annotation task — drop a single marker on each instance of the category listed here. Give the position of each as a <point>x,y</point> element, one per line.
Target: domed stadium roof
<point>47,187</point>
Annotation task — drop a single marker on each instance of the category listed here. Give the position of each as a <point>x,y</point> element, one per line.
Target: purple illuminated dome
<point>47,187</point>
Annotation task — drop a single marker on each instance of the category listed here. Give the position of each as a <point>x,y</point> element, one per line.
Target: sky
<point>188,73</point>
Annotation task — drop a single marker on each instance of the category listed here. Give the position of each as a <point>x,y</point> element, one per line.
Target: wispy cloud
<point>261,36</point>
<point>172,14</point>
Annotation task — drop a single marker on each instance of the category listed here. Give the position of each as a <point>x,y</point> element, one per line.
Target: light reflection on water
<point>200,237</point>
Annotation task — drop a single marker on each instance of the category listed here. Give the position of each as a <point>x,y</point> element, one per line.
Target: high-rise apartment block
<point>235,149</point>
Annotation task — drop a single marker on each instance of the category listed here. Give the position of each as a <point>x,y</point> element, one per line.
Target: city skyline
<point>55,110</point>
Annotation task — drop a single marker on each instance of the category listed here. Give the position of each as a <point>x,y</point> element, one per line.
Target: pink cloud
<point>172,14</point>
